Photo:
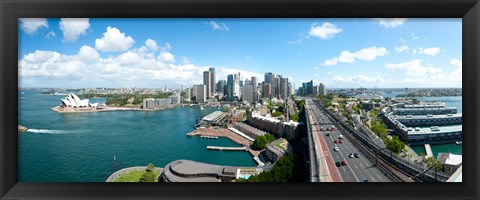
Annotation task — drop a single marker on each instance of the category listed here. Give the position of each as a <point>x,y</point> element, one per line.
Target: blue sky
<point>342,53</point>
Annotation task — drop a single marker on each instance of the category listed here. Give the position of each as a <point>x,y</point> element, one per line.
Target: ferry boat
<point>458,142</point>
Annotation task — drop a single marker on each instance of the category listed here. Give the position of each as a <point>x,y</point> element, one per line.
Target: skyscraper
<point>284,88</point>
<point>207,81</point>
<point>247,93</point>
<point>322,89</point>
<point>276,88</point>
<point>188,95</point>
<point>221,86</point>
<point>212,81</point>
<point>236,85</point>
<point>270,78</point>
<point>229,87</point>
<point>254,84</point>
<point>267,90</point>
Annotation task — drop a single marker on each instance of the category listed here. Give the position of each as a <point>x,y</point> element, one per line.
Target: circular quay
<point>240,100</point>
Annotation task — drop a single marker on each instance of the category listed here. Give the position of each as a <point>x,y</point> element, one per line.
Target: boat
<point>458,142</point>
<point>201,107</point>
<point>22,129</point>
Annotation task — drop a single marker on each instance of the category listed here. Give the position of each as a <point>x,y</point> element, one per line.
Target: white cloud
<point>390,22</point>
<point>414,37</point>
<point>134,68</point>
<point>358,80</point>
<point>403,48</point>
<point>72,28</point>
<point>295,42</point>
<point>50,34</point>
<point>114,40</point>
<point>216,26</point>
<point>368,54</point>
<point>419,75</point>
<point>151,44</point>
<point>325,31</point>
<point>427,51</point>
<point>166,57</point>
<point>31,25</point>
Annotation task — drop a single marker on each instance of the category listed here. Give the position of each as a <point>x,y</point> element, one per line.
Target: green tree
<point>395,144</point>
<point>430,161</point>
<point>287,169</point>
<point>277,114</point>
<point>294,118</point>
<point>328,104</point>
<point>150,167</point>
<point>260,142</point>
<point>280,108</point>
<point>148,177</point>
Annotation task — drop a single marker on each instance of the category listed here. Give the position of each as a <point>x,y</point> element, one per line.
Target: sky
<point>154,53</point>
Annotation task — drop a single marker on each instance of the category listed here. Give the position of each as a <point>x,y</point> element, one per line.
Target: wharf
<point>428,149</point>
<point>227,148</point>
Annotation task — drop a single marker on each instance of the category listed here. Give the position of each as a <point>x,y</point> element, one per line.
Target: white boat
<point>458,142</point>
<point>201,107</point>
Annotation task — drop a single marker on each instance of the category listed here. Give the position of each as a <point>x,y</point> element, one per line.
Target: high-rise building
<point>247,93</point>
<point>221,86</point>
<point>207,81</point>
<point>175,98</point>
<point>212,81</point>
<point>201,93</point>
<point>236,85</point>
<point>316,90</point>
<point>307,88</point>
<point>270,78</point>
<point>230,87</point>
<point>322,89</point>
<point>276,91</point>
<point>267,90</point>
<point>284,88</point>
<point>254,84</point>
<point>188,95</point>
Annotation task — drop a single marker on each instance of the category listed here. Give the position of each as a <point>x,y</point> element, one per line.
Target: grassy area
<point>279,144</point>
<point>133,176</point>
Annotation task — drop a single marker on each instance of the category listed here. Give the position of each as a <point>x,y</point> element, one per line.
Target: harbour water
<point>80,147</point>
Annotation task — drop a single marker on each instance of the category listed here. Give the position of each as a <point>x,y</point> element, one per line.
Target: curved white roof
<point>73,100</point>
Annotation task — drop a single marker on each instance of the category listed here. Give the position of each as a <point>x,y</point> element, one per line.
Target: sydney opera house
<point>73,103</point>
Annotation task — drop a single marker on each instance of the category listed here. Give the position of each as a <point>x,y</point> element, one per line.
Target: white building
<point>200,92</point>
<point>74,101</point>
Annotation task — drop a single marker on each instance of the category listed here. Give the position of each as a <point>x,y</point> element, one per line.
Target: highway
<point>357,169</point>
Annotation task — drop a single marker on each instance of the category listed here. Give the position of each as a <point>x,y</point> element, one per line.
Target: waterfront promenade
<point>116,174</point>
<point>60,109</point>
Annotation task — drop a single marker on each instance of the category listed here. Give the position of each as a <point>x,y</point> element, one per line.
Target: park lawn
<point>133,176</point>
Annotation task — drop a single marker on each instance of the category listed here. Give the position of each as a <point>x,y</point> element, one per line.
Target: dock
<point>227,148</point>
<point>428,149</point>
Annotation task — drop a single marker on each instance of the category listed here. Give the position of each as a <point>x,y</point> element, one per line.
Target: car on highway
<point>335,141</point>
<point>366,180</point>
<point>344,163</point>
<point>340,137</point>
<point>333,127</point>
<point>335,148</point>
<point>328,134</point>
<point>340,141</point>
<point>356,155</point>
<point>350,155</point>
<point>338,163</point>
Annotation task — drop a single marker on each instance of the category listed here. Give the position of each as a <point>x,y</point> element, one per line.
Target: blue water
<point>79,147</point>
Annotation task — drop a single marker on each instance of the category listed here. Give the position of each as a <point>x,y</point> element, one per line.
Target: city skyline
<point>152,53</point>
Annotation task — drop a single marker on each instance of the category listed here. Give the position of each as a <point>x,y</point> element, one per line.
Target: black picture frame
<point>11,10</point>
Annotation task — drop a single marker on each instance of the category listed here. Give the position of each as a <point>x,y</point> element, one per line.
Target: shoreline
<point>59,109</point>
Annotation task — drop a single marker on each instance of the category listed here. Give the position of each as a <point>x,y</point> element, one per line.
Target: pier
<point>428,149</point>
<point>227,148</point>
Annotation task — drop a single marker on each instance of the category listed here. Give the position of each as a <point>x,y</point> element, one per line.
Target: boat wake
<point>48,131</point>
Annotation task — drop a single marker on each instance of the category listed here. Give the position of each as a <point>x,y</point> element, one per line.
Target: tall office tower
<point>267,90</point>
<point>254,84</point>
<point>323,89</point>
<point>212,81</point>
<point>277,86</point>
<point>247,82</point>
<point>316,90</point>
<point>201,93</point>
<point>292,88</point>
<point>221,86</point>
<point>194,93</point>
<point>284,88</point>
<point>270,78</point>
<point>289,89</point>
<point>247,93</point>
<point>241,83</point>
<point>236,85</point>
<point>207,81</point>
<point>310,87</point>
<point>188,95</point>
<point>230,87</point>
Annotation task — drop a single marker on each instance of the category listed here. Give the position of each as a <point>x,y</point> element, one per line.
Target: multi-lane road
<point>357,169</point>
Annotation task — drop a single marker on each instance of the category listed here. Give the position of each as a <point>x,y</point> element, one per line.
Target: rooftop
<point>434,129</point>
<point>212,116</point>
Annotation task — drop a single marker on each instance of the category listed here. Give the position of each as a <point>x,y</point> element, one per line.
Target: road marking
<point>372,179</point>
<point>361,165</point>
<point>356,166</point>
<point>379,176</point>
